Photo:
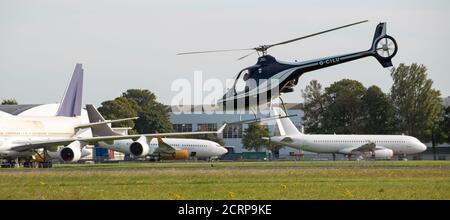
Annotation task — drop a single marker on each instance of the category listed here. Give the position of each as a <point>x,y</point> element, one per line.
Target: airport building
<point>193,118</point>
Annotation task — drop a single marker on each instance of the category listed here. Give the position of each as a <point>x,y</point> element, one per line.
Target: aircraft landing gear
<point>402,157</point>
<point>349,157</point>
<point>28,164</point>
<point>41,161</point>
<point>10,163</point>
<point>46,164</point>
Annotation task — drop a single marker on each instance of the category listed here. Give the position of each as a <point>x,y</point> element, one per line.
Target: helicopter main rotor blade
<point>248,55</point>
<point>214,51</point>
<point>315,34</point>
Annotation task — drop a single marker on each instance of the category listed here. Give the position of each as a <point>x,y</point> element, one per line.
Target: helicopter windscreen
<point>244,81</point>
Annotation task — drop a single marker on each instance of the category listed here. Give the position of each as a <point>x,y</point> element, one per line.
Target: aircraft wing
<point>285,140</point>
<point>363,148</point>
<point>261,119</point>
<point>104,122</point>
<point>29,145</point>
<point>164,148</point>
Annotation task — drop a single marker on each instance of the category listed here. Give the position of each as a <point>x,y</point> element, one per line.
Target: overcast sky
<point>132,44</point>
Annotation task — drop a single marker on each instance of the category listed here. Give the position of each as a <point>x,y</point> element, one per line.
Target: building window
<point>207,127</point>
<point>182,127</point>
<point>233,131</point>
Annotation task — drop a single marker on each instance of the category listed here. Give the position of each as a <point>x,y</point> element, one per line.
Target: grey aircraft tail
<point>71,103</point>
<point>100,129</point>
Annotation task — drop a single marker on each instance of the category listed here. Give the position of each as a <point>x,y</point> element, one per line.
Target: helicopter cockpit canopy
<point>245,80</point>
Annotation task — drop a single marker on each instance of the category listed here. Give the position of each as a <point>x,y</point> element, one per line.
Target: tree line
<point>8,102</point>
<point>412,107</point>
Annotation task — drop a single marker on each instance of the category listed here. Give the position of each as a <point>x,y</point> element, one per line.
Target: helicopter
<point>269,78</point>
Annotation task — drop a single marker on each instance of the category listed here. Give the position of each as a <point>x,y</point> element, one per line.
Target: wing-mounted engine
<point>370,150</point>
<point>140,147</point>
<point>72,152</point>
<point>382,154</point>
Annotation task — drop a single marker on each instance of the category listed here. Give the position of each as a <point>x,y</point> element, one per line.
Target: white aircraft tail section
<point>285,125</point>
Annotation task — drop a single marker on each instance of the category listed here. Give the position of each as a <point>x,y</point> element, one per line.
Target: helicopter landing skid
<point>282,103</point>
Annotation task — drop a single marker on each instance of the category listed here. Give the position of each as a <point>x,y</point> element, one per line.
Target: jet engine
<point>71,153</point>
<point>177,155</point>
<point>383,154</point>
<point>140,147</point>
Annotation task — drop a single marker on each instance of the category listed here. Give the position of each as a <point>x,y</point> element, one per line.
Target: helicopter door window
<point>241,81</point>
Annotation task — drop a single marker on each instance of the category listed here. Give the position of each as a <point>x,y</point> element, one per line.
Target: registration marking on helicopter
<point>330,61</point>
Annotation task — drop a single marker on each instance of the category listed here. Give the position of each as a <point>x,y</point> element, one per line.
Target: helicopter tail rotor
<point>384,47</point>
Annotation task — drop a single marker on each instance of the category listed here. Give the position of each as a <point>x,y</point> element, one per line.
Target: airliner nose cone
<point>223,150</point>
<point>422,147</point>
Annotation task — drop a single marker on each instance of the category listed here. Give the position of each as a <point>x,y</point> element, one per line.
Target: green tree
<point>152,121</point>
<point>313,107</point>
<point>446,123</point>
<point>439,131</point>
<point>344,111</point>
<point>145,99</point>
<point>120,107</point>
<point>379,112</point>
<point>418,105</point>
<point>153,115</point>
<point>252,137</point>
<point>9,102</point>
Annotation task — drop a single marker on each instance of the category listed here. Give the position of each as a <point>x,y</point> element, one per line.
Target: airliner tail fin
<point>71,103</point>
<point>285,125</point>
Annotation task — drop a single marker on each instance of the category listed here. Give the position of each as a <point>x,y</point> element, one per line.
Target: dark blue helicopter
<point>269,78</point>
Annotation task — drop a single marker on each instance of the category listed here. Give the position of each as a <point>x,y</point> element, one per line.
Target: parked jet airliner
<point>21,136</point>
<point>163,148</point>
<point>375,146</point>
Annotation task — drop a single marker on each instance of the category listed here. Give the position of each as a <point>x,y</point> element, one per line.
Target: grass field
<point>232,180</point>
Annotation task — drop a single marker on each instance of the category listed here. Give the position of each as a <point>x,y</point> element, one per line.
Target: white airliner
<point>21,136</point>
<point>162,148</point>
<point>375,146</point>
